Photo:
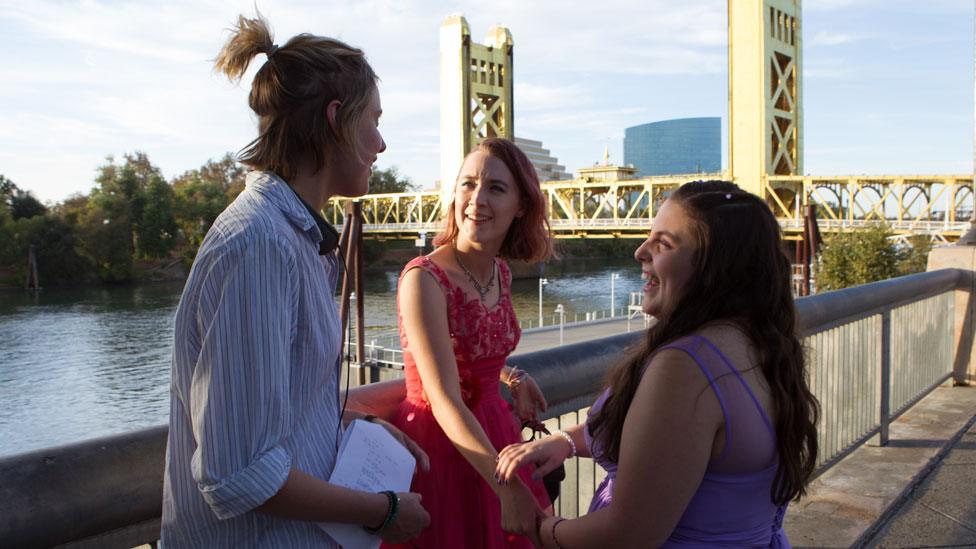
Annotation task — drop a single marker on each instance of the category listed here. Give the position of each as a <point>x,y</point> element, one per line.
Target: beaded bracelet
<point>391,512</point>
<point>569,439</point>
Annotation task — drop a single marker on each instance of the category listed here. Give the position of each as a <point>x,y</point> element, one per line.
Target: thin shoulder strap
<point>734,370</point>
<point>683,345</point>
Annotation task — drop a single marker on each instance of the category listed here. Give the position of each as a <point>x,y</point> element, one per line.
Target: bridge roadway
<point>538,339</point>
<point>533,339</point>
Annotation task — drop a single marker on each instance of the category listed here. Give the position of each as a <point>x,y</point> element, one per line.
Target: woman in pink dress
<point>457,327</point>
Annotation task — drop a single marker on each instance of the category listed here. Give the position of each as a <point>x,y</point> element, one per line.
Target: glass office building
<point>679,146</point>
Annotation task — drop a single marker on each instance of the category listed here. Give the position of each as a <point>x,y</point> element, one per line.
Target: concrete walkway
<point>548,337</point>
<point>940,511</point>
<point>919,491</point>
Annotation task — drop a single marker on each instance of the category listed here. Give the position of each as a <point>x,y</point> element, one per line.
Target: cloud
<point>830,38</point>
<point>538,96</point>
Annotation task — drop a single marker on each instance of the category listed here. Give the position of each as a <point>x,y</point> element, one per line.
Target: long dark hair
<point>740,275</point>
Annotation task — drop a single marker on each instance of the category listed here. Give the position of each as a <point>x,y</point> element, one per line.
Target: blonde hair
<point>291,91</point>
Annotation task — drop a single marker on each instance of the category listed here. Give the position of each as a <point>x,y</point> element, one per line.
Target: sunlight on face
<point>666,259</point>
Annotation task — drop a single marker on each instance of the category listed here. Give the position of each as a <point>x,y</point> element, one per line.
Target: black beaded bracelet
<point>391,512</point>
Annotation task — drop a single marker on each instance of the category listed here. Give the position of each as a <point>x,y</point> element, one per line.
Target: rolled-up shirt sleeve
<point>240,392</point>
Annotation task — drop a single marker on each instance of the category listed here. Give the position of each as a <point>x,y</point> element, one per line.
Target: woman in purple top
<point>707,430</point>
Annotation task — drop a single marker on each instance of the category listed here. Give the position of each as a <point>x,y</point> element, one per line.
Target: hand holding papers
<point>370,460</point>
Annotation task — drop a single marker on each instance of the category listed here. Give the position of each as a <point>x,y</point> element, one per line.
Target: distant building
<point>606,171</point>
<point>546,166</point>
<point>679,146</point>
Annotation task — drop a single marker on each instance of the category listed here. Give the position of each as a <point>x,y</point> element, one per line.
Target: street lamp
<point>562,320</point>
<point>613,301</point>
<point>542,282</point>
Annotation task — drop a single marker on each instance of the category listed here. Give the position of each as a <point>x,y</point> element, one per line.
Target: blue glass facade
<point>679,146</point>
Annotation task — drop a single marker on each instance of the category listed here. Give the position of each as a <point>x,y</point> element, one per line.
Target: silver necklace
<point>482,290</point>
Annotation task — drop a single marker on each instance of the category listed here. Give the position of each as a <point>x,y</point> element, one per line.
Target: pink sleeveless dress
<point>464,511</point>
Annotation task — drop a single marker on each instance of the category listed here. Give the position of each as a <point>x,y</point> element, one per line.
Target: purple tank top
<point>732,505</point>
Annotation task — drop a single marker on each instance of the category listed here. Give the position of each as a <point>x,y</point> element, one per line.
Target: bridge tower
<point>765,101</point>
<point>476,92</point>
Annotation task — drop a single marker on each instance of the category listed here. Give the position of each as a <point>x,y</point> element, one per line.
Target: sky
<point>887,84</point>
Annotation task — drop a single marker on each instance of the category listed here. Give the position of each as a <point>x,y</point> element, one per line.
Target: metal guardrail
<point>637,225</point>
<point>874,351</point>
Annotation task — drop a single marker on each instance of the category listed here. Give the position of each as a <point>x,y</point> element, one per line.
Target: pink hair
<point>529,237</point>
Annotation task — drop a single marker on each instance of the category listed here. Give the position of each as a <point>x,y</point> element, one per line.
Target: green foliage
<point>6,238</point>
<point>914,257</point>
<point>106,236</point>
<point>857,257</point>
<point>7,187</point>
<point>389,181</point>
<point>23,205</point>
<point>55,249</point>
<point>200,196</point>
<point>132,212</point>
<point>156,230</point>
<point>17,202</point>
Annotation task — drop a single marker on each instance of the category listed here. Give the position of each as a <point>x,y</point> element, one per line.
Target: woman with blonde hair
<point>255,414</point>
<point>457,327</point>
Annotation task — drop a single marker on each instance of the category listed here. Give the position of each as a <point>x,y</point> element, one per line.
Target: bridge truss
<point>937,206</point>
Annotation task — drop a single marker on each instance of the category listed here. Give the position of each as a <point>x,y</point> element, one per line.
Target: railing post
<point>885,404</point>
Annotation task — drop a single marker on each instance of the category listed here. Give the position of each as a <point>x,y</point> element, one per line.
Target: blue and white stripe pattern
<point>255,374</point>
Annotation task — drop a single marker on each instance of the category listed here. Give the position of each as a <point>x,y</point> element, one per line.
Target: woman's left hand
<point>422,460</point>
<point>528,401</point>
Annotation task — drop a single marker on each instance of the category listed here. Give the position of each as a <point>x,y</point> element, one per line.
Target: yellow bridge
<point>938,206</point>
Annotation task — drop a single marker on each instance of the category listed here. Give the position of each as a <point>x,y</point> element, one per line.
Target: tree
<point>857,257</point>
<point>55,248</point>
<point>115,212</point>
<point>389,181</point>
<point>914,256</point>
<point>20,203</point>
<point>23,205</point>
<point>200,195</point>
<point>157,226</point>
<point>106,235</point>
<point>7,187</point>
<point>227,172</point>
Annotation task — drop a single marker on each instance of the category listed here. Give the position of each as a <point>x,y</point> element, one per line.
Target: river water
<point>77,364</point>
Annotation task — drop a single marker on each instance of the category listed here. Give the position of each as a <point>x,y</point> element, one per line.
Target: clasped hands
<point>520,513</point>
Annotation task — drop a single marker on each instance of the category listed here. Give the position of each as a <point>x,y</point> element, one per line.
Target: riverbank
<point>378,255</point>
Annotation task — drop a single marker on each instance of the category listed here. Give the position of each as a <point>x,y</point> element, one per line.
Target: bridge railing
<point>636,227</point>
<point>919,204</point>
<point>874,351</point>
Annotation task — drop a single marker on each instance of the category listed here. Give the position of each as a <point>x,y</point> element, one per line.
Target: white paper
<point>370,460</point>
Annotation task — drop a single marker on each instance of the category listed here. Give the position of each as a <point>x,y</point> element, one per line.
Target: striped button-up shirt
<point>255,374</point>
